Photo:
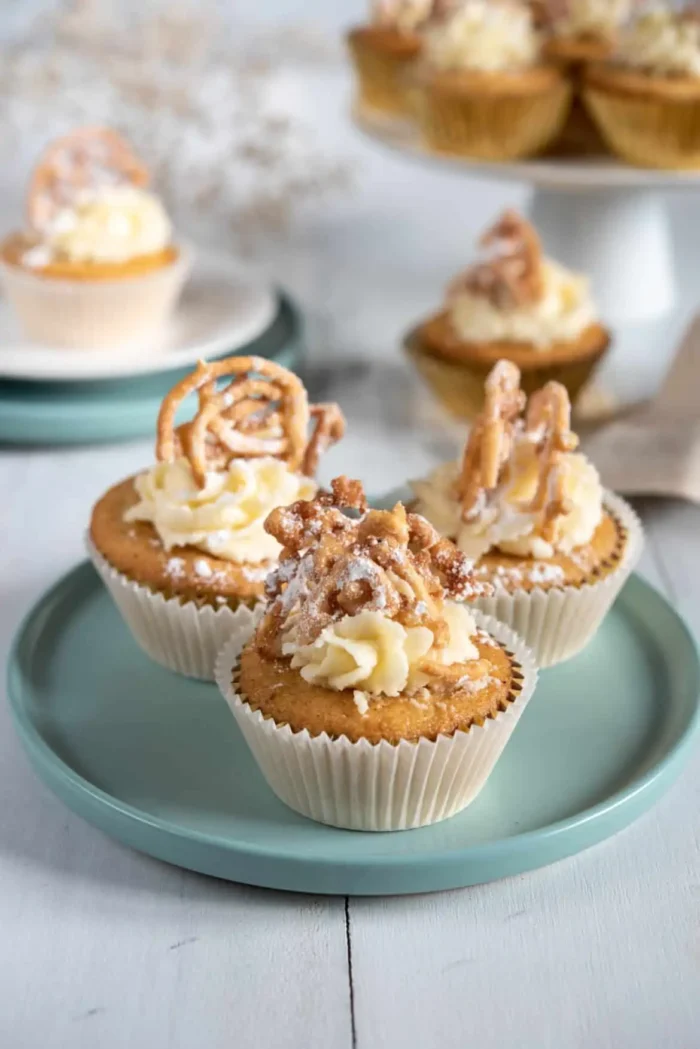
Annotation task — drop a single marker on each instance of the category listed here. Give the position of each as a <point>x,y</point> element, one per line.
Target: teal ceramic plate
<point>119,409</point>
<point>156,760</point>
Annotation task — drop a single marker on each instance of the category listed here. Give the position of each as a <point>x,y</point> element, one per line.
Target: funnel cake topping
<point>262,412</point>
<point>388,562</point>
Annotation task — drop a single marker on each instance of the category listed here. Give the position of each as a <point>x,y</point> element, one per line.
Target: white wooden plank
<point>674,529</point>
<point>111,948</point>
<point>595,951</point>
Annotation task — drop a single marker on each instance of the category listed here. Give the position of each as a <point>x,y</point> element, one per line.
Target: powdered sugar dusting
<point>203,569</point>
<point>175,567</point>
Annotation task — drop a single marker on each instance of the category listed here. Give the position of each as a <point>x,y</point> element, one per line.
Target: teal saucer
<point>120,409</point>
<point>156,760</point>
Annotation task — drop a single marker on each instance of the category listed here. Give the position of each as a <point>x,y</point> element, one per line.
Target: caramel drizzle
<point>262,411</point>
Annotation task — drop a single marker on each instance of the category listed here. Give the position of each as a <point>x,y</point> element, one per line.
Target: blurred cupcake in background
<point>97,265</point>
<point>484,89</point>
<point>581,32</point>
<point>585,30</point>
<point>384,50</point>
<point>512,304</point>
<point>646,97</point>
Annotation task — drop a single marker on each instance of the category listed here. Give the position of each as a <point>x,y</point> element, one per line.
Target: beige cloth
<point>656,449</point>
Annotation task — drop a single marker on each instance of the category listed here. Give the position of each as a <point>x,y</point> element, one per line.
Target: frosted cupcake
<point>585,31</point>
<point>97,265</point>
<point>182,547</point>
<point>581,32</point>
<point>384,51</point>
<point>646,99</point>
<point>484,89</point>
<point>513,303</point>
<point>371,697</point>
<point>530,509</point>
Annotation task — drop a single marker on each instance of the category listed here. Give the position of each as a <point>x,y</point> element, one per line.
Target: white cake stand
<point>600,217</point>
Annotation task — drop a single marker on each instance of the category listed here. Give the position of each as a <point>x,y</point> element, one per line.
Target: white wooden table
<point>101,948</point>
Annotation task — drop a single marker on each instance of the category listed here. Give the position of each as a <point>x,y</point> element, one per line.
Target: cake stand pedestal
<point>603,218</point>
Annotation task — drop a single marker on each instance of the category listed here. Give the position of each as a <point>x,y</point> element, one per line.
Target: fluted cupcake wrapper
<point>559,623</point>
<point>491,127</point>
<point>378,786</point>
<point>182,636</point>
<point>93,314</point>
<point>650,132</point>
<point>381,75</point>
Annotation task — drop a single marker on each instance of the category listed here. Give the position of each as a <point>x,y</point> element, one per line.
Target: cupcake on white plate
<point>556,547</point>
<point>97,264</point>
<point>182,547</point>
<point>371,696</point>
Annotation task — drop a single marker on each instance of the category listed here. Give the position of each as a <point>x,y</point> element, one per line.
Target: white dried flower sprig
<point>202,104</point>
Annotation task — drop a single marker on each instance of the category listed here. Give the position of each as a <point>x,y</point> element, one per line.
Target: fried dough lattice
<point>333,565</point>
<point>490,441</point>
<point>82,160</point>
<point>263,411</point>
<point>512,272</point>
<point>486,461</point>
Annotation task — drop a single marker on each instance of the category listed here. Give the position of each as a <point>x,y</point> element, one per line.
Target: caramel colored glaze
<point>386,41</point>
<point>586,564</point>
<point>438,337</point>
<point>14,248</point>
<point>134,549</point>
<point>618,80</point>
<point>473,83</point>
<point>281,693</point>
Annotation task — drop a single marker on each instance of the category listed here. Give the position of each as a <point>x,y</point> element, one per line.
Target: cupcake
<point>531,511</point>
<point>484,89</point>
<point>646,99</point>
<point>370,695</point>
<point>513,303</point>
<point>581,32</point>
<point>96,265</point>
<point>385,50</point>
<point>182,547</point>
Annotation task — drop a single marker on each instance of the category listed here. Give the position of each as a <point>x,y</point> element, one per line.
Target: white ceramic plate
<point>222,308</point>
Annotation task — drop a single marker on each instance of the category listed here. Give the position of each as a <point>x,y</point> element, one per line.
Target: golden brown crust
<point>639,84</point>
<point>438,337</point>
<point>386,40</point>
<point>534,81</point>
<point>14,247</point>
<point>280,693</point>
<point>587,564</point>
<point>134,549</point>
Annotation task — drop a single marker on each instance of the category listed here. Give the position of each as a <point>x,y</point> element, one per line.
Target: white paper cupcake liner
<point>557,624</point>
<point>94,314</point>
<point>183,637</point>
<point>378,786</point>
